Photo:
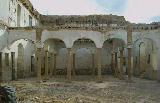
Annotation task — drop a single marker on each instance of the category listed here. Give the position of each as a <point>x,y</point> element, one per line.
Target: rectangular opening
<point>0,60</point>
<point>7,59</point>
<point>12,59</point>
<point>30,20</point>
<point>18,15</point>
<point>149,59</point>
<point>32,63</point>
<point>0,66</point>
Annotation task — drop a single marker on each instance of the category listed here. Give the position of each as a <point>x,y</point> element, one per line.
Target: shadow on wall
<point>145,58</point>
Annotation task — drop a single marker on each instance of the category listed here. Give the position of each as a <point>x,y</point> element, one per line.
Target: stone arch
<point>145,58</point>
<point>84,56</point>
<point>94,42</point>
<point>84,43</point>
<point>15,35</point>
<point>53,44</point>
<point>106,57</point>
<point>62,59</point>
<point>47,36</point>
<point>118,34</point>
<point>57,56</point>
<point>23,48</point>
<point>26,39</point>
<point>70,36</point>
<point>83,61</point>
<point>118,43</point>
<point>20,61</point>
<point>110,46</point>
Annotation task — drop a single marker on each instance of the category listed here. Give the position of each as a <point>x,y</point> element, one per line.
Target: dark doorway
<point>32,64</point>
<point>13,65</point>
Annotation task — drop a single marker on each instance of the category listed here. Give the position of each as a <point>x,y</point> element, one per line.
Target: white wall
<point>4,7</point>
<point>29,50</point>
<point>9,10</point>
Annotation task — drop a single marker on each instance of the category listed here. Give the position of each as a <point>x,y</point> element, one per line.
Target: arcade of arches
<point>83,58</point>
<point>56,55</point>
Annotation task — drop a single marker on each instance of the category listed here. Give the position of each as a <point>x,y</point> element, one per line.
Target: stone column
<point>129,64</point>
<point>13,65</point>
<point>121,63</point>
<point>69,66</point>
<point>93,60</point>
<point>116,64</point>
<point>113,62</point>
<point>38,62</point>
<point>158,65</point>
<point>113,59</point>
<point>99,77</point>
<point>129,44</point>
<point>46,64</point>
<point>55,62</point>
<point>52,64</point>
<point>1,64</point>
<point>38,53</point>
<point>73,70</point>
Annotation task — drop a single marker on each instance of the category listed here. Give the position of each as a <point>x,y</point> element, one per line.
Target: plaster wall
<point>9,14</point>
<point>4,5</point>
<point>29,50</point>
<point>70,36</point>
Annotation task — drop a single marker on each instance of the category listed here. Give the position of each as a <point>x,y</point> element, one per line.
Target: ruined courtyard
<point>98,58</point>
<point>84,89</point>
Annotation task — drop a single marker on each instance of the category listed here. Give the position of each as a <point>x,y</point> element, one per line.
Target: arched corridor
<point>54,58</point>
<point>145,56</point>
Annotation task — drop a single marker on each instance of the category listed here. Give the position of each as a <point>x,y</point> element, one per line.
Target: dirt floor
<point>85,89</point>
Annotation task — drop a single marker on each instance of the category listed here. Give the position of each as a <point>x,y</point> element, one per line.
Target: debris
<point>110,91</point>
<point>7,94</point>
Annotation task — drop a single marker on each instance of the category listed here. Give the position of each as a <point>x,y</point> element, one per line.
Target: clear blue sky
<point>138,11</point>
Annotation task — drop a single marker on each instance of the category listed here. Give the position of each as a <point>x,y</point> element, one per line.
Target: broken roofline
<point>28,5</point>
<point>37,15</point>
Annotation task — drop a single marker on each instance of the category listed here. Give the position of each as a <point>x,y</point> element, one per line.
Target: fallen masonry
<point>86,90</point>
<point>7,94</point>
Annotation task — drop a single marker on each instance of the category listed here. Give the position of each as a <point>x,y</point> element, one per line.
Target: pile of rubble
<point>7,94</point>
<point>76,99</point>
<point>111,90</point>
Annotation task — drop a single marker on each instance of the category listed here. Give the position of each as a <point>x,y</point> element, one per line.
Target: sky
<point>135,11</point>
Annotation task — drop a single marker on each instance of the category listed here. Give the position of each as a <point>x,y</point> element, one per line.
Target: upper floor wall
<point>15,14</point>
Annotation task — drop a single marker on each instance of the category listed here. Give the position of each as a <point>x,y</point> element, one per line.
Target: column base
<point>99,80</point>
<point>46,78</point>
<point>130,81</point>
<point>158,75</point>
<point>39,81</point>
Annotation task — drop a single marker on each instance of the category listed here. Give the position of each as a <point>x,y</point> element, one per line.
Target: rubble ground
<point>84,89</point>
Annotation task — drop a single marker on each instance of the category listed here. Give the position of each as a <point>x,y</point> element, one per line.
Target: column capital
<point>121,48</point>
<point>99,77</point>
<point>70,51</point>
<point>99,48</point>
<point>46,51</point>
<point>39,30</point>
<point>69,48</point>
<point>129,27</point>
<point>130,46</point>
<point>113,52</point>
<point>39,44</point>
<point>69,67</point>
<point>39,58</point>
<point>38,34</point>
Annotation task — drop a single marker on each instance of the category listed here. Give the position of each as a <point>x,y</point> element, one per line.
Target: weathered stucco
<point>84,44</point>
